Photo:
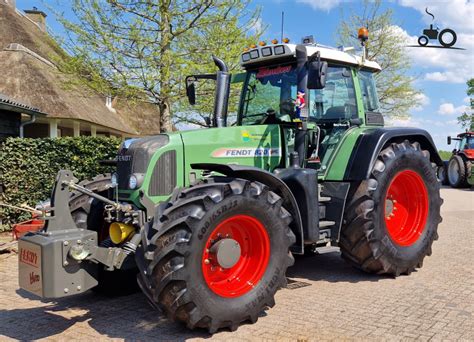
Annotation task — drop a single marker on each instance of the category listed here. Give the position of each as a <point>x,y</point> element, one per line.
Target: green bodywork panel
<point>175,143</point>
<point>258,146</point>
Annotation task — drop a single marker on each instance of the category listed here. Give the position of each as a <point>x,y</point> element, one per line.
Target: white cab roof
<point>284,51</point>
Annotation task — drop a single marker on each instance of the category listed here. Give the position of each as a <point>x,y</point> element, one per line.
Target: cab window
<point>336,102</point>
<point>369,91</point>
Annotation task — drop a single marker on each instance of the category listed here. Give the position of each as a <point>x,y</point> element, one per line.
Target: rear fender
<point>252,173</point>
<point>371,142</point>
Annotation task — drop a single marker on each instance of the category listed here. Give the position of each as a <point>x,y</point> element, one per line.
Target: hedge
<point>28,168</point>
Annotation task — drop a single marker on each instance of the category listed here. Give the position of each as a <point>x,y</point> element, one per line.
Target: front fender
<point>252,173</point>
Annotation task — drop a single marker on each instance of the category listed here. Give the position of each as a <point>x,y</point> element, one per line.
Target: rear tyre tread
<point>357,243</point>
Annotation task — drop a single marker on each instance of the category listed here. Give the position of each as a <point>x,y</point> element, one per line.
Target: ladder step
<point>324,224</point>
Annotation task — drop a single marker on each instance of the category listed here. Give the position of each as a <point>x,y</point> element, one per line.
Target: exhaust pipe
<point>302,78</point>
<point>222,93</point>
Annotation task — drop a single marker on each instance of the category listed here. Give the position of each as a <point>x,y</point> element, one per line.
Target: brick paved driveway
<point>338,302</point>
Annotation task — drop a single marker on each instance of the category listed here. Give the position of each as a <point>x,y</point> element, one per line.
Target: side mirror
<point>449,140</point>
<point>191,92</point>
<point>317,73</point>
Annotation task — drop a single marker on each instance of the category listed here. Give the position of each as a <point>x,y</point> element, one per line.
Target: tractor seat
<point>335,112</point>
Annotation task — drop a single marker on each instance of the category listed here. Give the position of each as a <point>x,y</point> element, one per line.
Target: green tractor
<point>209,220</point>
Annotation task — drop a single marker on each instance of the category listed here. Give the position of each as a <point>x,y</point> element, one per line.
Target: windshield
<point>270,96</point>
<point>467,143</point>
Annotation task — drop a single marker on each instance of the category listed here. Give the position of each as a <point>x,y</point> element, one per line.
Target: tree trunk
<point>166,124</point>
<point>165,69</point>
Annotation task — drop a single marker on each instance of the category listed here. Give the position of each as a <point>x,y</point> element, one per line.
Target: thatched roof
<point>26,55</point>
<point>18,107</point>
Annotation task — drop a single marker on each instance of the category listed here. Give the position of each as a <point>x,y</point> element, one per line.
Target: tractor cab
<point>280,88</point>
<point>464,144</point>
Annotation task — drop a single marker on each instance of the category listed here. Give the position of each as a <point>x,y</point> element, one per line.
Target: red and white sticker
<point>264,72</point>
<point>29,267</point>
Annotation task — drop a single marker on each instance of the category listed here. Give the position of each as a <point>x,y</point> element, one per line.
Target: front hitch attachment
<point>62,259</point>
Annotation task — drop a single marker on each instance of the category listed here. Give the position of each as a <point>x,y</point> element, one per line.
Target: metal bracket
<point>112,257</point>
<point>60,219</point>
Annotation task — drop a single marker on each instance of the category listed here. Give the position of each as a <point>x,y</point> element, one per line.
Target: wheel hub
<point>227,252</point>
<point>390,207</point>
<point>236,256</point>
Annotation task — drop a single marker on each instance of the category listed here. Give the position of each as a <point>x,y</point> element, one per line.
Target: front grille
<point>135,157</point>
<point>124,169</point>
<point>163,179</point>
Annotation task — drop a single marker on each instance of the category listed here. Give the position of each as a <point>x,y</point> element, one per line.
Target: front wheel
<point>457,172</point>
<point>442,173</point>
<point>423,40</point>
<point>217,254</point>
<point>391,219</point>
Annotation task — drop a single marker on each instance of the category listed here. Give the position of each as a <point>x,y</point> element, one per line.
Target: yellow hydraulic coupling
<point>120,232</point>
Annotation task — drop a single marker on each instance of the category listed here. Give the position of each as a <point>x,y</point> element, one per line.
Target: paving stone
<point>340,303</point>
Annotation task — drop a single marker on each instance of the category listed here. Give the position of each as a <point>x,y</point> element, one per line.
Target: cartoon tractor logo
<point>446,37</point>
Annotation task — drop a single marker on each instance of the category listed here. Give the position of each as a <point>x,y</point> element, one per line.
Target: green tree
<point>142,50</point>
<point>466,119</point>
<point>386,45</point>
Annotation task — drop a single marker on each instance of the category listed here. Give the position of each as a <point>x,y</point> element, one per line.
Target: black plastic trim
<point>370,143</point>
<point>374,118</point>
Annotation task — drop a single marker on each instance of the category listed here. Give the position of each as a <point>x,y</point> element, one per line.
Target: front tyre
<point>391,219</point>
<point>442,173</point>
<point>457,172</point>
<point>218,254</point>
<point>423,40</point>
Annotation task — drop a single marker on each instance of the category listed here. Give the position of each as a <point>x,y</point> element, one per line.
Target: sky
<point>440,74</point>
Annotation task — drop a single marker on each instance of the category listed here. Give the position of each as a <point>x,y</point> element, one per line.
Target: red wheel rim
<point>406,208</point>
<point>254,243</point>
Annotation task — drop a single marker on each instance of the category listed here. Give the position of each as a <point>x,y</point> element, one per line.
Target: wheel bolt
<point>392,214</point>
<point>206,261</point>
<point>394,201</point>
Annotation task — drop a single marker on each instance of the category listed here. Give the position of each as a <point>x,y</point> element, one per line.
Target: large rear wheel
<point>217,254</point>
<point>391,219</point>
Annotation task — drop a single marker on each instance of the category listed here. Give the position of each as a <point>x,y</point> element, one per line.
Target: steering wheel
<point>270,117</point>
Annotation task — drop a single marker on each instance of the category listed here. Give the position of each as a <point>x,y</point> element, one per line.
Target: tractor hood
<point>154,166</point>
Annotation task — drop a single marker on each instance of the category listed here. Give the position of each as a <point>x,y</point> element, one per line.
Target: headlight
<point>132,182</point>
<point>114,179</point>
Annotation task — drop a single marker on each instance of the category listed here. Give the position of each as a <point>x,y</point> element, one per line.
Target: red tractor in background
<point>457,171</point>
